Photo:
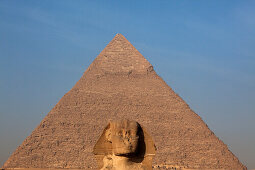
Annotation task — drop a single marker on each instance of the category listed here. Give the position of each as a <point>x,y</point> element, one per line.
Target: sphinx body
<point>113,162</point>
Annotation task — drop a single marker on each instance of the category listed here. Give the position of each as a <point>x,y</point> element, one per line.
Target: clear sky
<point>205,50</point>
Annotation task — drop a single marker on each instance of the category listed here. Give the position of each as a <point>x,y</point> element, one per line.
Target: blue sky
<point>205,50</point>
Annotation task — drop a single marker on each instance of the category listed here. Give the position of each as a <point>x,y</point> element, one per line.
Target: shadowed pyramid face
<point>124,137</point>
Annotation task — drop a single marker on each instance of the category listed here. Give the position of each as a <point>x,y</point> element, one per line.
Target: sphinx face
<point>124,145</point>
<point>124,137</point>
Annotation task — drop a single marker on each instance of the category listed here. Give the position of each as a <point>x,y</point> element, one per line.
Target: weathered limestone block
<point>124,145</point>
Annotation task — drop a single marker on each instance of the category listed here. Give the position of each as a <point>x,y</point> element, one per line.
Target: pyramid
<point>121,83</point>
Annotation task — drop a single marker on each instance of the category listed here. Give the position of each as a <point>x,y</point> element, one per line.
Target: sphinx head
<point>124,137</point>
<point>124,144</point>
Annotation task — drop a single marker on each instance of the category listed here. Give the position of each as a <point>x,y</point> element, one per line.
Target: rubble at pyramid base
<point>154,167</point>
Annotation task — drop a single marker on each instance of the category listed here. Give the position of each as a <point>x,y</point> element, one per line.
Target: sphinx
<point>124,145</point>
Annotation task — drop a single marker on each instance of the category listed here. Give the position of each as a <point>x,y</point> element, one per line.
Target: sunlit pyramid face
<point>124,137</point>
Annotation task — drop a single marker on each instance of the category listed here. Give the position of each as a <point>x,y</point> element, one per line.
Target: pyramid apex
<point>121,57</point>
<point>120,36</point>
